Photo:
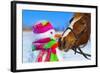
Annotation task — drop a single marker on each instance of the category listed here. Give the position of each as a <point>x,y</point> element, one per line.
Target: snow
<point>30,57</point>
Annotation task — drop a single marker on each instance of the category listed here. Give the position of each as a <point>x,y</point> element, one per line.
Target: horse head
<point>78,33</point>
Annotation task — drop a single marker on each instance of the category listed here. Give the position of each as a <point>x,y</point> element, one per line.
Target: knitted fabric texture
<point>42,27</point>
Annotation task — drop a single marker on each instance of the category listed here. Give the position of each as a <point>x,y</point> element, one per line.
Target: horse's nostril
<point>64,42</point>
<point>60,44</point>
<point>59,41</point>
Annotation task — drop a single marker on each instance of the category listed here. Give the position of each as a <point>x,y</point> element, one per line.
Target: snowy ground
<point>29,56</point>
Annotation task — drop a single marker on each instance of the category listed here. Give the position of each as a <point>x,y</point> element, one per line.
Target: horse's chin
<point>61,49</point>
<point>66,50</point>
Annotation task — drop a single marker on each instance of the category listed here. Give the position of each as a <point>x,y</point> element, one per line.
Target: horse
<point>77,34</point>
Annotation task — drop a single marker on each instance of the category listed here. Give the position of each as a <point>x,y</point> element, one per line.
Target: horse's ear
<point>71,19</point>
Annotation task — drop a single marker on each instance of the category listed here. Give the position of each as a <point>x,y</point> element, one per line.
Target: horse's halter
<point>77,38</point>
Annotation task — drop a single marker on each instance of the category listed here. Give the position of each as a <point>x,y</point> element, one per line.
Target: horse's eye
<point>82,23</point>
<point>64,43</point>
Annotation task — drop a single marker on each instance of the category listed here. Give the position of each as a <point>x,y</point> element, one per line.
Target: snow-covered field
<point>29,56</point>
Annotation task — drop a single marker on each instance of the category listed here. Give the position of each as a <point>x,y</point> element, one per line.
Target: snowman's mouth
<point>44,40</point>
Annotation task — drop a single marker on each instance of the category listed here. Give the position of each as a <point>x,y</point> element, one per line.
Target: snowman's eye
<point>51,32</point>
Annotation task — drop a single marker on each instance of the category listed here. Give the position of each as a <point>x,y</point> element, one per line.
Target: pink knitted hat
<point>42,26</point>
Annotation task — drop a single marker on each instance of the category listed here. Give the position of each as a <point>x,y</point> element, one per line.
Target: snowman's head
<point>43,29</point>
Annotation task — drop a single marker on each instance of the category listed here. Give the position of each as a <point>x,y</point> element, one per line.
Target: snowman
<point>45,42</point>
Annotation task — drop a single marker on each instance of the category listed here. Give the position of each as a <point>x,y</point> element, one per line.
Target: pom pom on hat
<point>42,26</point>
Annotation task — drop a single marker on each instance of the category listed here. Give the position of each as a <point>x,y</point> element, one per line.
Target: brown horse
<point>77,34</point>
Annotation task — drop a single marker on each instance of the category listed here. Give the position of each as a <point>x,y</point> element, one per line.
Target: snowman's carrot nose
<point>57,36</point>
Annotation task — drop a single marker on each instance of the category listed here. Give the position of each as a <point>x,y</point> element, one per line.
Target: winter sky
<point>59,20</point>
